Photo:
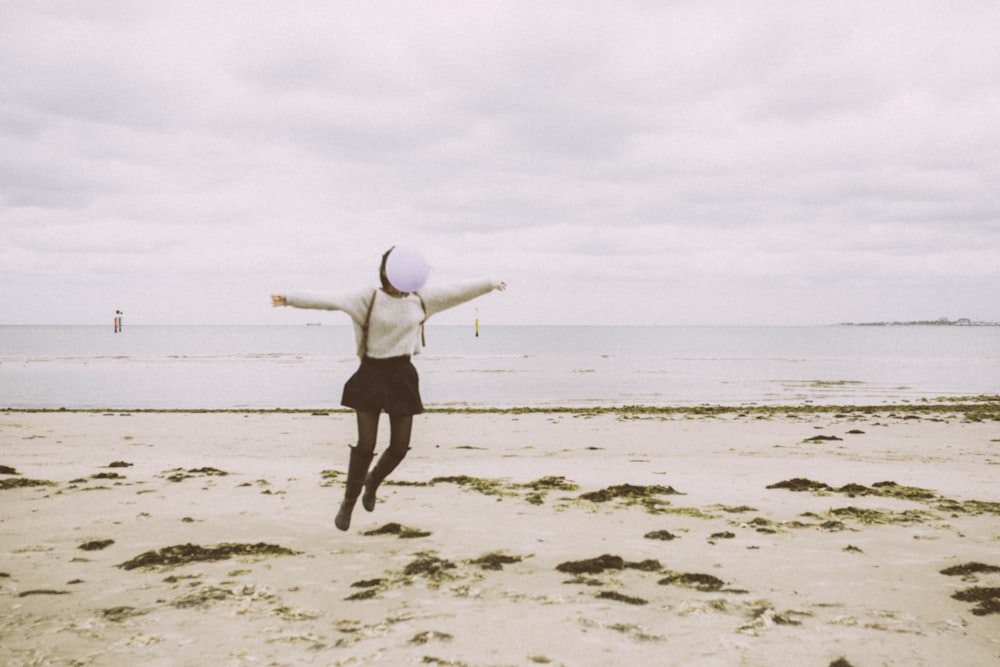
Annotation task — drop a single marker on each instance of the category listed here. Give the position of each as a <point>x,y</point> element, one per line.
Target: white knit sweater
<point>394,326</point>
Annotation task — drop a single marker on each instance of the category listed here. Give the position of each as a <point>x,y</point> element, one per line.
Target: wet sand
<point>763,537</point>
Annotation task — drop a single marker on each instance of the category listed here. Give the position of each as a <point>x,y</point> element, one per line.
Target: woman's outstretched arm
<point>354,302</point>
<point>443,297</point>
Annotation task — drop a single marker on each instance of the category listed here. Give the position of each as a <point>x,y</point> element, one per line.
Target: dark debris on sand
<point>881,489</point>
<point>607,562</point>
<point>41,591</point>
<point>800,484</point>
<point>181,554</point>
<point>967,569</point>
<point>972,507</point>
<point>499,487</point>
<point>403,532</point>
<point>823,438</point>
<point>180,475</point>
<point>629,492</point>
<point>488,487</point>
<point>495,561</point>
<point>893,490</point>
<point>592,565</point>
<point>368,583</point>
<point>627,599</point>
<point>551,483</point>
<point>664,535</point>
<point>873,517</point>
<point>21,483</point>
<point>367,594</point>
<point>430,565</point>
<point>427,636</point>
<point>108,475</point>
<point>96,545</point>
<point>698,581</point>
<point>119,614</point>
<point>433,568</point>
<point>987,598</point>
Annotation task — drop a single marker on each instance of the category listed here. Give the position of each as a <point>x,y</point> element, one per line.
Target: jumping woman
<point>388,328</point>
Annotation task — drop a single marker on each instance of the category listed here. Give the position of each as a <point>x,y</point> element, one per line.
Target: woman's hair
<point>386,285</point>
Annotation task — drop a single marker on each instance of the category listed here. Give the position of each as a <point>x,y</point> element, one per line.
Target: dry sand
<point>505,559</point>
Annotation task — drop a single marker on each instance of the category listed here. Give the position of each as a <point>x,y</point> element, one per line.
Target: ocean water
<point>531,366</point>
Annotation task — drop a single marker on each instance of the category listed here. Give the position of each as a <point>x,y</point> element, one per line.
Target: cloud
<point>695,163</point>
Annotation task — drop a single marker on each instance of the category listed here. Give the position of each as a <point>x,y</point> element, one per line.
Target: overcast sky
<point>615,162</point>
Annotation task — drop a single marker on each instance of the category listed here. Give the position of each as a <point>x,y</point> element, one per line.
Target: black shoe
<point>368,497</point>
<point>343,518</point>
<point>386,464</point>
<point>357,471</point>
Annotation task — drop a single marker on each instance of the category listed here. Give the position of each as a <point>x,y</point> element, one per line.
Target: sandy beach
<point>760,537</point>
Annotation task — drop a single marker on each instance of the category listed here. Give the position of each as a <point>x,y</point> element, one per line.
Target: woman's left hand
<point>502,286</point>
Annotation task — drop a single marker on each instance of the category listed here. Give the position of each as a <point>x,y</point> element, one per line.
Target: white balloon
<point>406,269</point>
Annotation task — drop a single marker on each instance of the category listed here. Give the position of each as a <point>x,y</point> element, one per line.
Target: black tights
<point>399,432</point>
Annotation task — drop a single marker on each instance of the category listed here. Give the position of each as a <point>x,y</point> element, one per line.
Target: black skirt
<point>390,384</point>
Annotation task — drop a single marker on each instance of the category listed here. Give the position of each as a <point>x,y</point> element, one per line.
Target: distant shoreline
<point>943,322</point>
<point>987,406</point>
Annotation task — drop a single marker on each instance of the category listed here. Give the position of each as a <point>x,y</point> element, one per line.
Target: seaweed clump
<point>179,475</point>
<point>607,562</point>
<point>552,483</point>
<point>891,489</point>
<point>41,591</point>
<point>398,529</point>
<point>972,507</point>
<point>871,517</point>
<point>96,545</point>
<point>880,489</point>
<point>430,565</point>
<point>987,599</point>
<point>665,535</point>
<point>632,494</point>
<point>629,492</point>
<point>800,484</point>
<point>21,483</point>
<point>696,580</point>
<point>495,561</point>
<point>119,614</point>
<point>627,599</point>
<point>181,554</point>
<point>371,589</point>
<point>592,565</point>
<point>487,487</point>
<point>967,569</point>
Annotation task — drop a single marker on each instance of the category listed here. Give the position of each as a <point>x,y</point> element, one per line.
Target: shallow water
<point>306,366</point>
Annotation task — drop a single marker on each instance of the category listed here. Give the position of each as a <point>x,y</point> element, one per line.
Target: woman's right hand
<point>278,300</point>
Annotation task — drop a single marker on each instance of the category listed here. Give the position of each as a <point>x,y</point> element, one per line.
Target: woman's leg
<point>399,444</point>
<point>357,470</point>
<point>367,430</point>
